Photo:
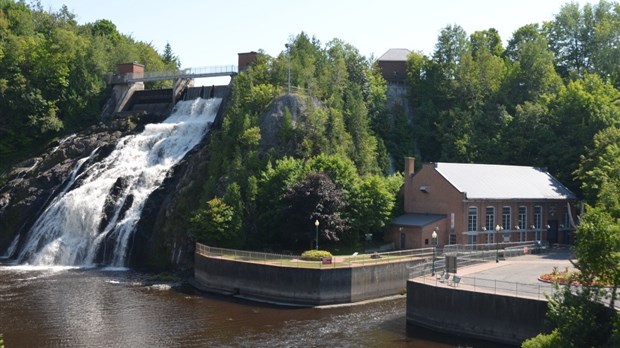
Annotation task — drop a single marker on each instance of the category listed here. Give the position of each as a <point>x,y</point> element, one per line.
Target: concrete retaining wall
<point>497,318</point>
<point>302,286</point>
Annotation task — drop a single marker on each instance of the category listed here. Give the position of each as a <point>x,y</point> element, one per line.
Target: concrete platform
<point>515,276</point>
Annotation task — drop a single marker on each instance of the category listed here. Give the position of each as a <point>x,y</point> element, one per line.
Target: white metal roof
<point>492,181</point>
<point>395,54</point>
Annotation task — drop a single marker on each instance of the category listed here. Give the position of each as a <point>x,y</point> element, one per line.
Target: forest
<point>53,74</point>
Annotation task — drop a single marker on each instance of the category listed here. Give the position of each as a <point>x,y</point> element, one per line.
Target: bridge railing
<point>206,71</point>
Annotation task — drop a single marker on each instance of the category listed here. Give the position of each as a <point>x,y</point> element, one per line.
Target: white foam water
<point>98,216</point>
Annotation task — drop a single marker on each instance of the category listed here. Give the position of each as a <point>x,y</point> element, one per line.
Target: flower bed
<point>565,277</point>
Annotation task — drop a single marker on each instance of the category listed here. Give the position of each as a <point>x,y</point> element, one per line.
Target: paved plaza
<point>514,276</point>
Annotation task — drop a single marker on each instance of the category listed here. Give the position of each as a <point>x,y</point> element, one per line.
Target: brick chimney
<point>409,171</point>
<point>409,166</point>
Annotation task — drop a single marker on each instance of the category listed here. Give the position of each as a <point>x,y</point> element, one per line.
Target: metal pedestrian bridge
<point>184,74</point>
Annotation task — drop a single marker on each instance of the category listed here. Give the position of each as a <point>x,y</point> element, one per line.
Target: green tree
<point>314,198</point>
<point>451,45</point>
<point>584,40</point>
<point>577,113</point>
<point>601,166</point>
<point>371,203</point>
<point>216,224</point>
<point>169,58</point>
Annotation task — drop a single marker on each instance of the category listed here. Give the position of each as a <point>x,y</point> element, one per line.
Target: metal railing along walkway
<point>189,73</point>
<point>538,291</point>
<point>288,260</point>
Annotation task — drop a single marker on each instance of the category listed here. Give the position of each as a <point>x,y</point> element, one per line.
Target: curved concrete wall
<point>491,317</point>
<point>302,286</point>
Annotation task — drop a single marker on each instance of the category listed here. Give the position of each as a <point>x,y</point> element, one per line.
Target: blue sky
<point>207,32</point>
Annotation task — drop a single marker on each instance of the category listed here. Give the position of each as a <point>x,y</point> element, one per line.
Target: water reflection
<point>93,308</point>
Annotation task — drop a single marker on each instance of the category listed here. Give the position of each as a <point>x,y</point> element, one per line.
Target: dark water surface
<point>97,308</point>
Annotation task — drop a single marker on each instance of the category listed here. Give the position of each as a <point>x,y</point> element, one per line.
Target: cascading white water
<point>102,210</point>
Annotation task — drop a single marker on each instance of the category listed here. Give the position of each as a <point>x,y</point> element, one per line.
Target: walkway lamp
<point>316,224</point>
<point>434,241</point>
<point>497,229</point>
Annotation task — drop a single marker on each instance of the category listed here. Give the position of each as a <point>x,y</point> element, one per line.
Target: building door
<point>552,231</point>
<point>402,240</point>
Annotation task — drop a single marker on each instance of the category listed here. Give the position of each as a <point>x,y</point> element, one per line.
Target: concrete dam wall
<point>301,286</point>
<point>492,317</point>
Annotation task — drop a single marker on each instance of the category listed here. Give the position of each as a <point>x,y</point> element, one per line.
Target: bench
<point>456,280</point>
<point>443,277</point>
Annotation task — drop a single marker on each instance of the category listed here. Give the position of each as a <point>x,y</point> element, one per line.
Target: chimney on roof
<point>409,166</point>
<point>408,190</point>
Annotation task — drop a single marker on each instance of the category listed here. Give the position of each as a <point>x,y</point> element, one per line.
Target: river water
<point>64,307</point>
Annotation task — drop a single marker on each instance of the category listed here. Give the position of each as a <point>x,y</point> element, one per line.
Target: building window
<point>538,221</point>
<point>490,223</point>
<point>506,218</point>
<point>522,222</point>
<point>472,219</point>
<point>472,239</point>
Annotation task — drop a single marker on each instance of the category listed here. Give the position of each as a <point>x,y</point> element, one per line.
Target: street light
<point>316,224</point>
<point>434,238</point>
<point>497,229</point>
<point>288,48</point>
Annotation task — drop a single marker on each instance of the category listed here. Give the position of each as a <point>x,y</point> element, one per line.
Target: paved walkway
<point>515,276</point>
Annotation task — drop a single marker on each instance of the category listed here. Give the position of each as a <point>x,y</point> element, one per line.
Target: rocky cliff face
<point>33,183</point>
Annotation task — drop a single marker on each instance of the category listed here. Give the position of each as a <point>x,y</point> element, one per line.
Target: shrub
<point>315,255</point>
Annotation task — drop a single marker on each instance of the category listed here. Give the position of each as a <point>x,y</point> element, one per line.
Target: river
<point>73,307</point>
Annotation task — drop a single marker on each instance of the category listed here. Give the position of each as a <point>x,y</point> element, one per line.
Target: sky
<point>208,33</point>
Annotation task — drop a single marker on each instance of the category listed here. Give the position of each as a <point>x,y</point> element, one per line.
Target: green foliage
<point>551,340</point>
<point>599,169</point>
<point>315,255</point>
<point>217,224</point>
<point>314,198</point>
<point>584,40</point>
<point>52,74</point>
<point>372,202</point>
<point>598,246</point>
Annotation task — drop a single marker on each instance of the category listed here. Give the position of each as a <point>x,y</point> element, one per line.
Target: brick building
<point>465,203</point>
<point>393,65</point>
<point>245,60</point>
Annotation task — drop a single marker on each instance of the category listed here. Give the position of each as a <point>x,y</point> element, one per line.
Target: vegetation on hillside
<point>53,74</point>
<point>538,102</point>
<point>328,164</point>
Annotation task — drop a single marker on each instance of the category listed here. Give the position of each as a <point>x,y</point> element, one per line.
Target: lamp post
<point>288,48</point>
<point>497,229</point>
<point>434,241</point>
<point>316,224</point>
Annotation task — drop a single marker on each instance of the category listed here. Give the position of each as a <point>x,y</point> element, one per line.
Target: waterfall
<point>93,219</point>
